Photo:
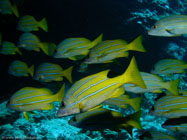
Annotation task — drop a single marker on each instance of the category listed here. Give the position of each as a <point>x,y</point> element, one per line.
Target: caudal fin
<point>136,103</point>
<point>43,24</point>
<point>185,66</point>
<point>134,120</point>
<point>44,47</point>
<point>67,73</point>
<point>172,86</point>
<point>15,10</point>
<point>31,70</point>
<point>96,41</point>
<point>132,75</point>
<point>60,94</point>
<point>136,45</point>
<point>19,52</point>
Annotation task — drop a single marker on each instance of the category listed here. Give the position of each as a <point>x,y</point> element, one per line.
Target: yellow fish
<point>183,92</point>
<point>31,42</point>
<point>47,72</point>
<point>156,135</point>
<point>107,51</point>
<point>30,99</point>
<point>171,106</point>
<point>170,26</point>
<point>7,8</point>
<point>154,84</point>
<point>20,68</point>
<point>28,23</point>
<point>99,119</point>
<point>169,66</point>
<point>95,89</point>
<point>179,128</point>
<point>123,100</point>
<point>75,48</point>
<point>9,48</point>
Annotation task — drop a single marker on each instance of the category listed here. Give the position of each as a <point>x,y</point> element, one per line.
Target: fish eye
<point>154,26</point>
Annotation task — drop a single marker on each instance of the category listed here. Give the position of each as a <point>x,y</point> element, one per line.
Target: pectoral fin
<point>26,115</point>
<point>48,107</point>
<point>170,31</point>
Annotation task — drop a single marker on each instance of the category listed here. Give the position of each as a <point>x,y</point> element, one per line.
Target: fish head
<point>39,77</point>
<point>67,110</point>
<point>90,60</point>
<point>157,30</point>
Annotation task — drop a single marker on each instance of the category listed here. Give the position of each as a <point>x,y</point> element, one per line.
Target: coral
<point>176,51</point>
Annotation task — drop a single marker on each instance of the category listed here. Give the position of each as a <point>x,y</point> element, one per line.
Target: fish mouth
<point>62,111</point>
<point>67,111</point>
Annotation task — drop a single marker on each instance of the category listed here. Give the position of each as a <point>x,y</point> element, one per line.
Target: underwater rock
<point>7,113</point>
<point>176,51</point>
<point>154,10</point>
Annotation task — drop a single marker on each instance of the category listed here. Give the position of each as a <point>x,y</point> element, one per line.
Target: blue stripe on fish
<point>168,100</point>
<point>82,47</point>
<point>161,111</point>
<point>68,40</point>
<point>175,104</point>
<point>90,95</point>
<point>50,73</point>
<point>173,17</point>
<point>102,44</point>
<point>30,102</point>
<point>114,50</point>
<point>90,87</point>
<point>107,47</point>
<point>163,28</point>
<point>72,44</point>
<point>80,85</point>
<point>20,93</point>
<point>41,69</point>
<point>168,126</point>
<point>30,97</point>
<point>182,20</point>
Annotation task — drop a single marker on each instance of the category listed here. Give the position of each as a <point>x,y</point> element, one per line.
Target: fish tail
<point>132,75</point>
<point>172,86</point>
<point>67,73</point>
<point>19,52</point>
<point>60,94</point>
<point>134,120</point>
<point>136,45</point>
<point>135,103</point>
<point>31,70</point>
<point>185,66</point>
<point>43,24</point>
<point>15,10</point>
<point>44,47</point>
<point>96,41</point>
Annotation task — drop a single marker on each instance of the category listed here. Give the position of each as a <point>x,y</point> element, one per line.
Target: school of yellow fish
<point>86,97</point>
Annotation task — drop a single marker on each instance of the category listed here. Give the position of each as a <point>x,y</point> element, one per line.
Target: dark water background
<point>81,18</point>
